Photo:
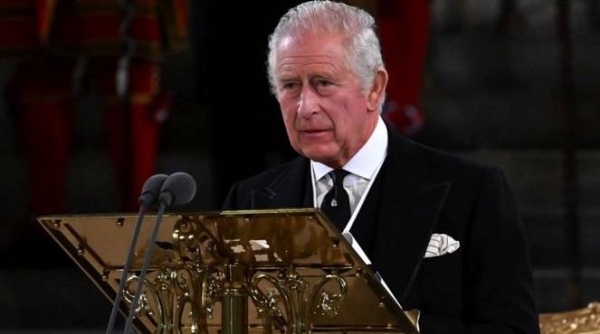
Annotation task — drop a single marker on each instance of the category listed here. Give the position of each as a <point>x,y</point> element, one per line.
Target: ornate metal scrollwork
<point>300,301</point>
<point>267,304</point>
<point>144,306</point>
<point>194,248</point>
<point>183,294</point>
<point>325,302</point>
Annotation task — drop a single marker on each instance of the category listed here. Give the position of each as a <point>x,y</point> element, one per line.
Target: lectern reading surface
<point>285,270</point>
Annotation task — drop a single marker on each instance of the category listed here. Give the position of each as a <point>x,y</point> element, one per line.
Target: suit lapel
<point>409,206</point>
<point>291,188</point>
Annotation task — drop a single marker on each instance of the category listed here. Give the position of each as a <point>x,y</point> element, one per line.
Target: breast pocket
<point>440,283</point>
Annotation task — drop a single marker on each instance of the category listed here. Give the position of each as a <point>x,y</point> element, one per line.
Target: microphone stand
<point>117,301</point>
<point>145,266</point>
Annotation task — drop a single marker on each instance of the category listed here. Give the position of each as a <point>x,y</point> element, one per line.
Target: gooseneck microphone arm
<point>178,189</point>
<point>140,283</point>
<point>148,198</point>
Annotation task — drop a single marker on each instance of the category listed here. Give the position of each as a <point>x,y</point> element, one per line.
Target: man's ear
<point>377,91</point>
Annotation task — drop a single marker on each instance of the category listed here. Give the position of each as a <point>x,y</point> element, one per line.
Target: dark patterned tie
<point>336,204</point>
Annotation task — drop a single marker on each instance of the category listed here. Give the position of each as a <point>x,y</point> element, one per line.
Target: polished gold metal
<point>413,316</point>
<point>581,321</point>
<point>235,272</point>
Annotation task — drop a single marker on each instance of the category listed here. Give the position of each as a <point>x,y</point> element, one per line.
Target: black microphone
<point>148,198</point>
<point>151,190</point>
<point>177,189</point>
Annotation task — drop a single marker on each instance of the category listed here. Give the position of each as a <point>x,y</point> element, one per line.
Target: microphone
<point>148,198</point>
<point>177,189</point>
<point>151,189</point>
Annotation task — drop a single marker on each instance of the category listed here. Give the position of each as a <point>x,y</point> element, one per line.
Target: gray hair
<point>324,17</point>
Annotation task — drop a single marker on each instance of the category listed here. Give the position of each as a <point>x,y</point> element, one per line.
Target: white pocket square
<point>441,244</point>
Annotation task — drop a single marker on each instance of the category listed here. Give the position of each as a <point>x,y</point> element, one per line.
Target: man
<point>327,73</point>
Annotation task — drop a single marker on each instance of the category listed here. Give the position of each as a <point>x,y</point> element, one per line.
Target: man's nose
<point>308,103</point>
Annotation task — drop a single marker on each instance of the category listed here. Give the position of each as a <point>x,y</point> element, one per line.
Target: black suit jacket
<point>483,287</point>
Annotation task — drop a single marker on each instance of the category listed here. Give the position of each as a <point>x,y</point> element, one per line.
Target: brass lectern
<point>234,272</point>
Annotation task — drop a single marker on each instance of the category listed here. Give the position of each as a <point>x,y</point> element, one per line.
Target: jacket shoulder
<point>266,182</point>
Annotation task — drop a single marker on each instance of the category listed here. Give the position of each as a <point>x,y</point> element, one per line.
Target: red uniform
<point>49,37</point>
<point>404,30</point>
<point>403,27</point>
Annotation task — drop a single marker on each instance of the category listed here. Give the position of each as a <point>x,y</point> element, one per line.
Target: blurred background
<point>99,95</point>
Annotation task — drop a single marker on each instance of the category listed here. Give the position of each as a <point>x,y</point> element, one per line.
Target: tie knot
<point>338,176</point>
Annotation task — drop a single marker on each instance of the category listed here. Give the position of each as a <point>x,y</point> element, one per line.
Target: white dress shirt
<point>363,168</point>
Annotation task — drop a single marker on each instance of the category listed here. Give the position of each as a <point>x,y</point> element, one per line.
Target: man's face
<point>327,116</point>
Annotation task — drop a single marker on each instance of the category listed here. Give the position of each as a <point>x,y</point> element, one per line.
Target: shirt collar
<point>366,161</point>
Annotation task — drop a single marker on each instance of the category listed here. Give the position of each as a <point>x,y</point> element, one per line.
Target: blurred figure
<point>404,31</point>
<point>118,46</point>
<point>403,27</point>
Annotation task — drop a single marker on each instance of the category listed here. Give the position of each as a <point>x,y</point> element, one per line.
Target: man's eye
<point>289,85</point>
<point>324,87</point>
<point>323,83</point>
